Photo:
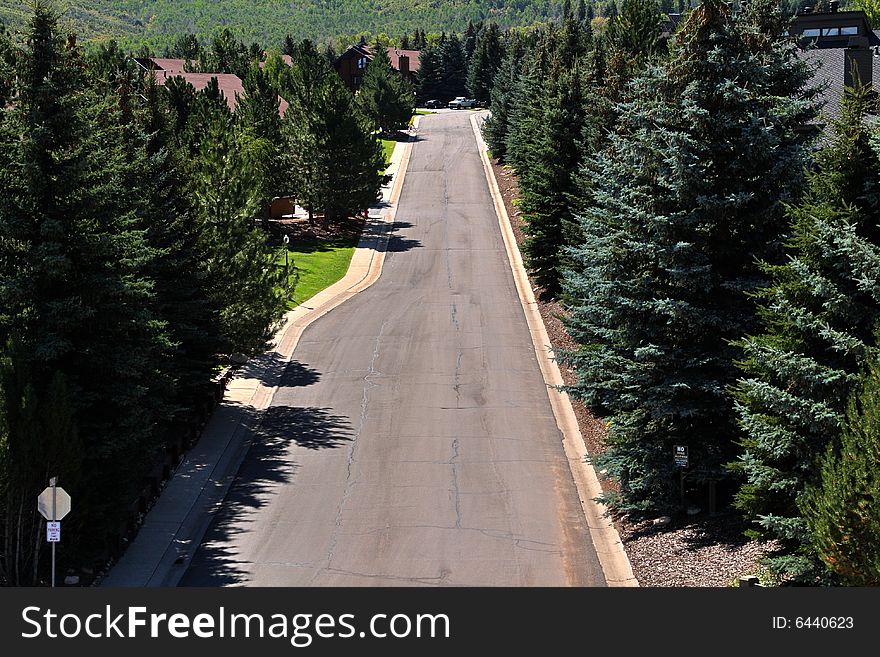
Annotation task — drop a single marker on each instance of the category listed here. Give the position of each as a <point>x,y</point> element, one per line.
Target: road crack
<point>372,372</point>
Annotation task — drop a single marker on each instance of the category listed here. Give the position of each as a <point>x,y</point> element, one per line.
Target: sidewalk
<point>177,522</point>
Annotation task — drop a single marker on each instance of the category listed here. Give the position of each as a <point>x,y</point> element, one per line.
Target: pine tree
<point>226,54</point>
<point>385,97</point>
<point>497,126</point>
<point>245,284</point>
<point>842,508</point>
<point>74,296</point>
<point>469,42</point>
<point>186,47</point>
<point>546,190</point>
<point>429,78</point>
<point>307,77</point>
<point>346,137</point>
<point>485,62</point>
<point>38,437</point>
<point>259,122</point>
<point>7,65</point>
<point>820,313</point>
<point>181,282</point>
<point>689,193</point>
<point>336,159</point>
<point>454,68</point>
<point>289,46</point>
<point>636,30</point>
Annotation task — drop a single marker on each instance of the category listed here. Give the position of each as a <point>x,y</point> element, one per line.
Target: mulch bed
<point>299,230</point>
<point>700,550</point>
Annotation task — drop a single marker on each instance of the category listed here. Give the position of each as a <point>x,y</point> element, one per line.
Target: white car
<point>460,102</point>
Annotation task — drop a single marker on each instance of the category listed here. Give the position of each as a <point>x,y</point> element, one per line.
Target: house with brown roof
<point>352,64</point>
<point>230,85</point>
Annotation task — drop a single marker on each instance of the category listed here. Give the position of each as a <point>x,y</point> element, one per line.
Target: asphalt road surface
<point>412,441</point>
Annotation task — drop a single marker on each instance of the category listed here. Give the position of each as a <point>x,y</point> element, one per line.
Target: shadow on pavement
<point>398,243</point>
<point>267,466</point>
<point>272,369</point>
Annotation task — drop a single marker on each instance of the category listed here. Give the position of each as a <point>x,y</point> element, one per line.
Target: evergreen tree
<point>582,12</point>
<point>7,65</point>
<point>820,313</point>
<point>289,46</point>
<point>259,124</point>
<point>307,77</point>
<point>454,68</point>
<point>245,284</point>
<point>72,290</point>
<point>842,508</point>
<point>485,62</point>
<point>385,97</point>
<point>181,282</point>
<point>497,126</point>
<point>469,43</point>
<point>186,47</point>
<point>325,128</point>
<point>429,78</point>
<point>636,30</point>
<point>546,184</point>
<point>226,54</point>
<point>689,193</point>
<point>38,437</point>
<point>346,137</point>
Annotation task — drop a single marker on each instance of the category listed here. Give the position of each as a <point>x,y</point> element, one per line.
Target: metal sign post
<point>680,458</point>
<point>53,504</point>
<point>286,240</point>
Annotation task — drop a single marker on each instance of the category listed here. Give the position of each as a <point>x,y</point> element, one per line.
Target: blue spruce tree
<point>820,313</point>
<point>687,197</point>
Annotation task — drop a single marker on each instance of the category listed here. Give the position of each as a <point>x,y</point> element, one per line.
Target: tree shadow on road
<point>397,243</point>
<point>267,467</point>
<point>272,369</point>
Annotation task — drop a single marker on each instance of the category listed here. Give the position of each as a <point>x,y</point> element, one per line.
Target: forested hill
<point>158,22</point>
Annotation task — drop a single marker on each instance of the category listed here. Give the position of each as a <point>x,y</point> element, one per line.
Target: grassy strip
<point>317,264</point>
<point>387,149</point>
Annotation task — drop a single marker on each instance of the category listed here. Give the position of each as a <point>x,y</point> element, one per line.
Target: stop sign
<point>62,503</point>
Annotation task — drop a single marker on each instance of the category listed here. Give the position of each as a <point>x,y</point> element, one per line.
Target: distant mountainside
<point>159,22</point>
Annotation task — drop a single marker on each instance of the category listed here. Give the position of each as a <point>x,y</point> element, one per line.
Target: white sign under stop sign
<point>53,532</point>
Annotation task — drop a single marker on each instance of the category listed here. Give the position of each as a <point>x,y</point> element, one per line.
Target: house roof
<point>230,86</point>
<point>829,75</point>
<point>394,54</point>
<point>166,64</point>
<point>287,60</point>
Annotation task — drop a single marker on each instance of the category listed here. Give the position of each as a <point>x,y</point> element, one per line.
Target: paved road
<point>412,441</point>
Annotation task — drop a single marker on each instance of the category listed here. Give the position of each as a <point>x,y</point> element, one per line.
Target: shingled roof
<point>230,85</point>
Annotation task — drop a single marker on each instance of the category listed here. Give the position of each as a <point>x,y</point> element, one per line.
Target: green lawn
<point>388,149</point>
<point>318,263</point>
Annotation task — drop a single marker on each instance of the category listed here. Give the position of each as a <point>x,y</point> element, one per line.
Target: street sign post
<point>680,458</point>
<point>680,455</point>
<point>53,504</point>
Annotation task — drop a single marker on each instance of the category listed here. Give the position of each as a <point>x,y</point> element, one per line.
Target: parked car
<point>433,104</point>
<point>460,102</point>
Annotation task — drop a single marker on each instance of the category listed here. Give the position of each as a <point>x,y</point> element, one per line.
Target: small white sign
<point>53,532</point>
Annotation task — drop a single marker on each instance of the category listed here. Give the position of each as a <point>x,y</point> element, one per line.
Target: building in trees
<point>352,64</point>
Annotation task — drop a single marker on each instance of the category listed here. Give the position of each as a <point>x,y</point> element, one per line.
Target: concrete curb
<point>180,518</point>
<point>609,548</point>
